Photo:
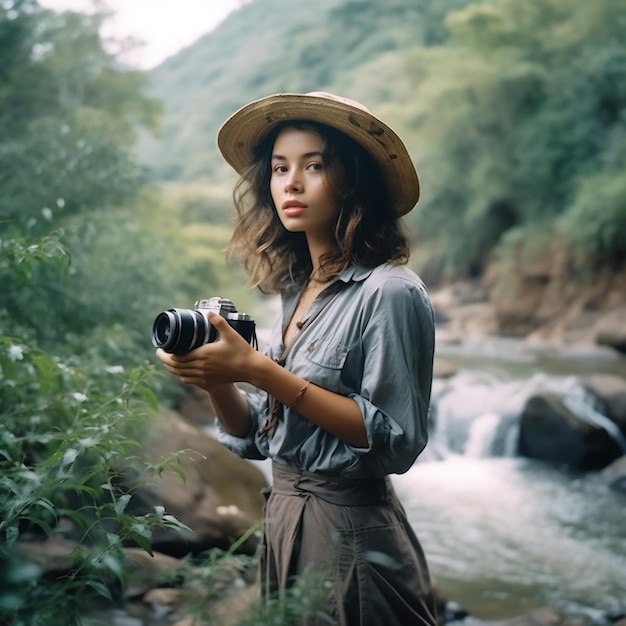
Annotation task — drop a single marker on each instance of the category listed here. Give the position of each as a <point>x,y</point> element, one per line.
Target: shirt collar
<point>354,273</point>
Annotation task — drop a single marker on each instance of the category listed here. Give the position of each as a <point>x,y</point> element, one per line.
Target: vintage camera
<point>180,330</point>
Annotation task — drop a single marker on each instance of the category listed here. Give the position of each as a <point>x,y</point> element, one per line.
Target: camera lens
<point>179,330</point>
<point>162,329</point>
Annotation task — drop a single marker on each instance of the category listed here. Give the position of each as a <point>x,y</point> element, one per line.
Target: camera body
<point>178,331</point>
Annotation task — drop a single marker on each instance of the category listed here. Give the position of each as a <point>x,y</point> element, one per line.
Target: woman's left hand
<point>227,360</point>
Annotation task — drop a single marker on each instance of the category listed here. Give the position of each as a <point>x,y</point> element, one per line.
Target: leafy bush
<point>596,221</point>
<point>63,434</point>
<point>220,573</point>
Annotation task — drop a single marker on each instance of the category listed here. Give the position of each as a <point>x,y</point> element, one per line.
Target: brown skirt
<point>352,538</point>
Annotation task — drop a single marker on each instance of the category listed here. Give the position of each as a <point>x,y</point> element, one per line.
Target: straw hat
<point>243,130</point>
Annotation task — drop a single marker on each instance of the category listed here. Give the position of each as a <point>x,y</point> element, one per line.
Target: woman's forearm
<point>231,409</point>
<point>339,415</point>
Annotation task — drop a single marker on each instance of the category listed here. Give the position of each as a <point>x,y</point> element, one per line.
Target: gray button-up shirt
<point>369,336</point>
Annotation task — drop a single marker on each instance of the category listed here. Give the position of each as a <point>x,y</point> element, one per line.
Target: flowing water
<point>505,535</point>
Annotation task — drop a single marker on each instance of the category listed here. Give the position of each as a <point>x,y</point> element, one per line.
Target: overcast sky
<point>165,26</point>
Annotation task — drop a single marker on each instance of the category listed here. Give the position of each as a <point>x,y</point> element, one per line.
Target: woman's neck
<point>318,248</point>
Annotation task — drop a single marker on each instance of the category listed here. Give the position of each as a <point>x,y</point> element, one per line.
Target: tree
<point>68,113</point>
<point>519,110</point>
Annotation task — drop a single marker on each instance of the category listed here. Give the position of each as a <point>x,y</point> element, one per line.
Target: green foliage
<point>521,105</point>
<point>23,259</point>
<point>71,189</point>
<point>596,221</point>
<point>233,571</point>
<point>304,599</point>
<point>61,447</point>
<point>70,423</point>
<point>74,394</point>
<point>68,113</point>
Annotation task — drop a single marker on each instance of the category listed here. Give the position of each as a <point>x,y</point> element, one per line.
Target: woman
<point>344,386</point>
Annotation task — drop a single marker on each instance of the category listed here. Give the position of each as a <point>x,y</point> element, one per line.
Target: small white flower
<point>47,213</point>
<point>60,203</point>
<point>16,352</point>
<point>79,397</point>
<point>69,456</point>
<point>115,369</point>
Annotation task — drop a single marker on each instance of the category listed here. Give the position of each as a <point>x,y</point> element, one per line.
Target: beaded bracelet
<point>300,395</point>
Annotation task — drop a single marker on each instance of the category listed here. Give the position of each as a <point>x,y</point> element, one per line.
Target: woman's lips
<point>293,208</point>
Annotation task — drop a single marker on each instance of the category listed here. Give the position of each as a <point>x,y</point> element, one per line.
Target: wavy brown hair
<point>367,232</point>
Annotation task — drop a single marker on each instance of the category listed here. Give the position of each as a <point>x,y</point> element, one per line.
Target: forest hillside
<point>513,112</point>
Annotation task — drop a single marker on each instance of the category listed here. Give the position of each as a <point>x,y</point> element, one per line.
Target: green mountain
<point>356,48</point>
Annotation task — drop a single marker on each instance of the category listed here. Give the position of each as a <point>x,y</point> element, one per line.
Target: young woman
<point>344,385</point>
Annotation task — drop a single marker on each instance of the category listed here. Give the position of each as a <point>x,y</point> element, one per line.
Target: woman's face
<point>300,184</point>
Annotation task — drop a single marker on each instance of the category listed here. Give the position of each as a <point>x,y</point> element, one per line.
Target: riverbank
<point>554,312</point>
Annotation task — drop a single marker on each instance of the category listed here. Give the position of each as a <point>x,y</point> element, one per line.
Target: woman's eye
<point>317,167</point>
<point>280,169</point>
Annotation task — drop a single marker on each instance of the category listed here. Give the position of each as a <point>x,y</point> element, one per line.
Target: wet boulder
<point>552,432</point>
<point>217,495</point>
<point>615,476</point>
<point>610,390</point>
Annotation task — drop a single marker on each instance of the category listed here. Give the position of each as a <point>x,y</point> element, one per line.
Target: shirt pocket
<point>326,353</point>
<point>325,359</point>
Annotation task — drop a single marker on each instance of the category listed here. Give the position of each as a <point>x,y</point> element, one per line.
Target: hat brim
<point>245,128</point>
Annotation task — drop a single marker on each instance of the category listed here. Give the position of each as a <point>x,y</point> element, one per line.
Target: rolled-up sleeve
<point>397,329</point>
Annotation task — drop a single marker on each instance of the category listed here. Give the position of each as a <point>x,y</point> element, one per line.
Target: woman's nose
<point>293,182</point>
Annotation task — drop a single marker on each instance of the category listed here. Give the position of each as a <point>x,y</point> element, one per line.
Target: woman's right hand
<point>228,360</point>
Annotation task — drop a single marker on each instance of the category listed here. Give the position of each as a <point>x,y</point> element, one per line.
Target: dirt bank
<point>539,303</point>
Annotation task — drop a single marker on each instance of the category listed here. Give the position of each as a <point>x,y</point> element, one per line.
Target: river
<point>505,535</point>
